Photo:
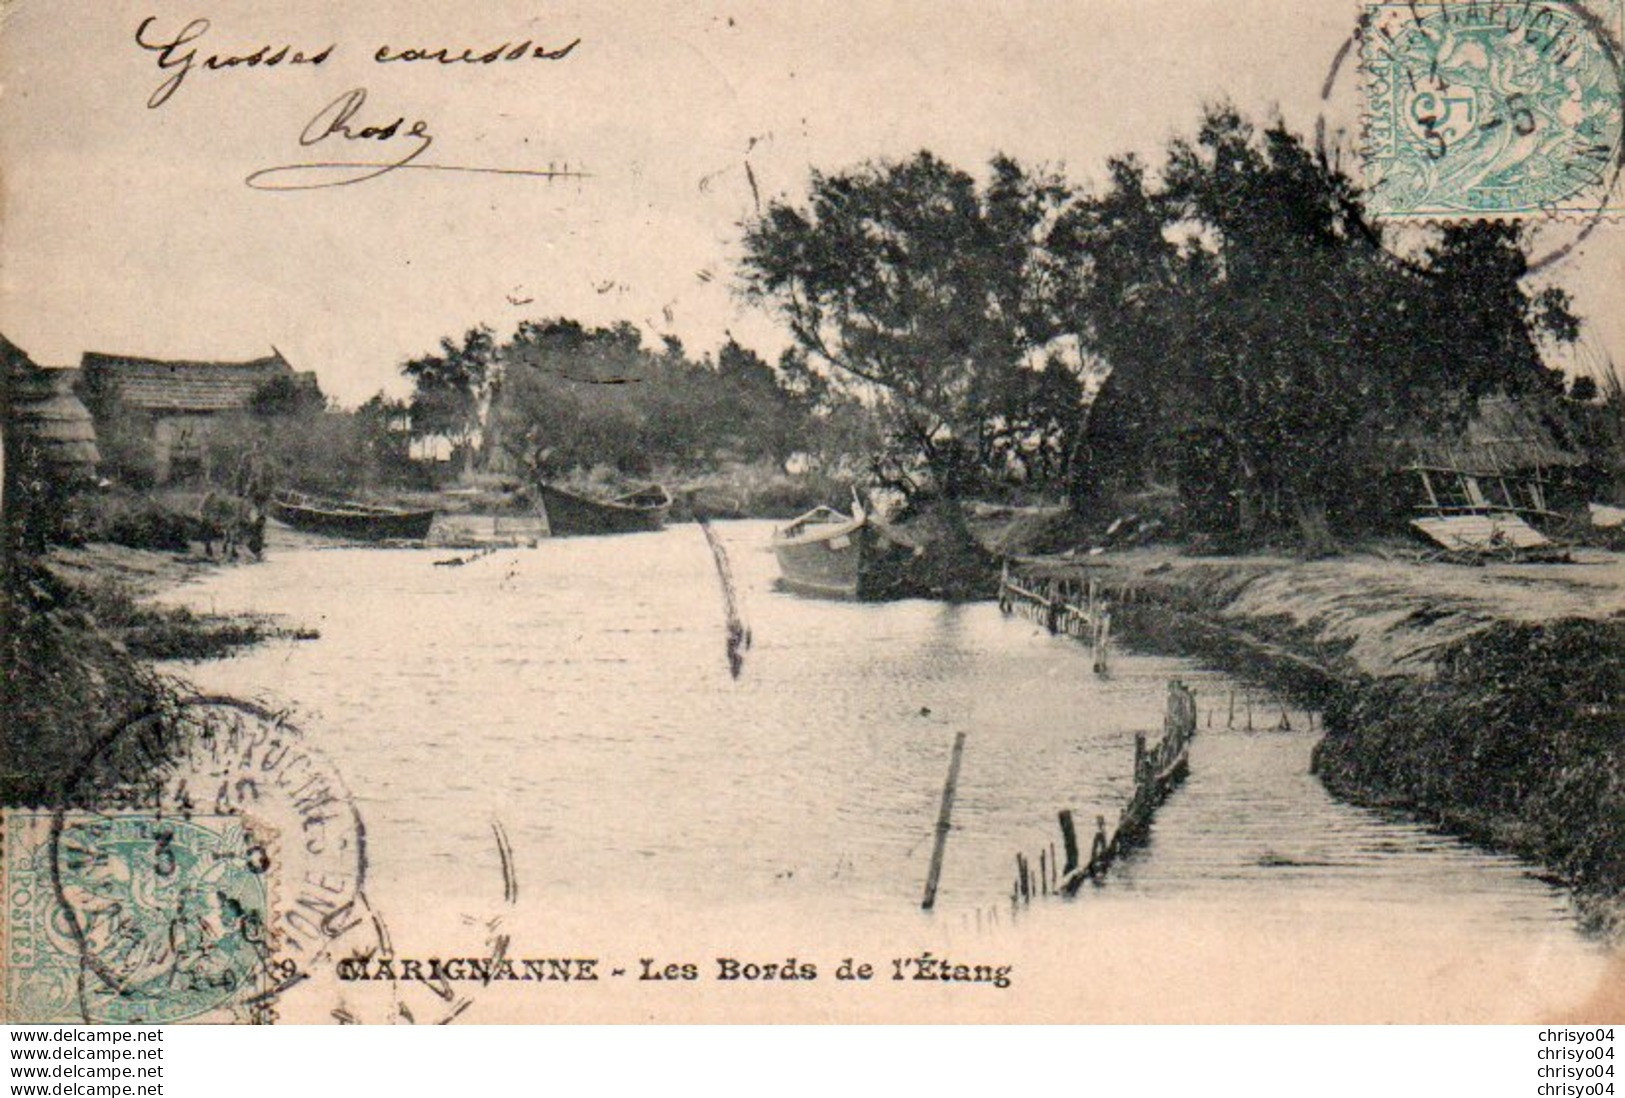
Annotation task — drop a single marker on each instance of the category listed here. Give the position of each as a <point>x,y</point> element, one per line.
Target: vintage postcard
<point>1088,511</point>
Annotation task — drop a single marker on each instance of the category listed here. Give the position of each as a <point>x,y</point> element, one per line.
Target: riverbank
<point>1484,699</point>
<point>115,587</point>
<point>82,630</point>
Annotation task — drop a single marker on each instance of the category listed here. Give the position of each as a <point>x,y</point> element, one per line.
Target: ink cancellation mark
<point>1476,109</point>
<point>154,914</point>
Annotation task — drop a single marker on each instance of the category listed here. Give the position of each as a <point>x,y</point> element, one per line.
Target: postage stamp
<point>133,917</point>
<point>206,864</point>
<point>1492,109</point>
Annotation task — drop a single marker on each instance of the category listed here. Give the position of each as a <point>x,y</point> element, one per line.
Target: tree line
<point>1230,324</point>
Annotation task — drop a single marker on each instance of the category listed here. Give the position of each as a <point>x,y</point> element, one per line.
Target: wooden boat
<point>569,515</point>
<point>834,555</point>
<point>348,519</point>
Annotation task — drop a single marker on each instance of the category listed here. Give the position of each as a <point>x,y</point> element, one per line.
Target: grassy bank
<point>1484,699</point>
<point>1518,742</point>
<point>64,684</point>
<point>80,635</point>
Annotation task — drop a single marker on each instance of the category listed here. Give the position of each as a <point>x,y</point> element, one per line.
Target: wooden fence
<point>1075,607</point>
<point>1158,769</point>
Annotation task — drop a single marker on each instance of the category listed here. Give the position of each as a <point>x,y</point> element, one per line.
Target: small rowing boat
<point>570,515</point>
<point>348,519</point>
<point>834,555</point>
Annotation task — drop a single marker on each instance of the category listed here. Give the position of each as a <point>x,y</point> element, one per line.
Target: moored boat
<point>834,555</point>
<point>349,519</point>
<point>569,515</point>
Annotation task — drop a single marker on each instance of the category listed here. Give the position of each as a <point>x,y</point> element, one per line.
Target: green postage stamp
<point>133,917</point>
<point>1492,109</point>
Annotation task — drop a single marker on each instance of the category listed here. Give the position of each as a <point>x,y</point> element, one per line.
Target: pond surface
<point>578,695</point>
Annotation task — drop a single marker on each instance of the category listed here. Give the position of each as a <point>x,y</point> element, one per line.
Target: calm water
<point>579,694</point>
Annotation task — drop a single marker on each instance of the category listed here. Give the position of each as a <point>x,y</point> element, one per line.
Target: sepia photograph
<point>782,512</point>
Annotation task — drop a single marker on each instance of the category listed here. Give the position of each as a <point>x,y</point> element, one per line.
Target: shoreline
<point>123,588</point>
<point>1472,698</point>
<point>1421,672</point>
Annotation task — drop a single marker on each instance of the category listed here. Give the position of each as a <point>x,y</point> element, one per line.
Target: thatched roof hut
<point>1509,457</point>
<point>44,408</point>
<point>161,386</point>
<point>1504,436</point>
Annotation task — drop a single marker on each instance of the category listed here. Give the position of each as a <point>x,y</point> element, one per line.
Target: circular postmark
<point>164,917</point>
<point>1352,135</point>
<point>205,862</point>
<point>1489,109</point>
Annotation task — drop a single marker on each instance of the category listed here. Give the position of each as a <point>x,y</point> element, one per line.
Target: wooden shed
<point>1507,460</point>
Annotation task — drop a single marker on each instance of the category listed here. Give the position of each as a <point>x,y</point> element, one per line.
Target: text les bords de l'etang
<point>926,967</point>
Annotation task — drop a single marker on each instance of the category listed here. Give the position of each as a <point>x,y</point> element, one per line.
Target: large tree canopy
<point>1261,338</point>
<point>560,396</point>
<point>933,296</point>
<point>451,388</point>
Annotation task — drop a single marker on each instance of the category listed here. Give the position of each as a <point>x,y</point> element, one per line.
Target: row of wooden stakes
<point>1158,769</point>
<point>1089,619</point>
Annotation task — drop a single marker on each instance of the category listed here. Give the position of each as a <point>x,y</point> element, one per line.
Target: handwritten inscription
<point>341,123</point>
<point>177,56</point>
<point>508,51</point>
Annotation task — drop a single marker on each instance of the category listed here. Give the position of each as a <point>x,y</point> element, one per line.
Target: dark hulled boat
<point>569,515</point>
<point>348,519</point>
<point>833,555</point>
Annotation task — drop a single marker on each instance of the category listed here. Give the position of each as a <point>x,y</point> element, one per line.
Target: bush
<point>136,521</point>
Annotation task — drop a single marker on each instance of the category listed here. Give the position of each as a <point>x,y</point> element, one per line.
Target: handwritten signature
<point>338,120</point>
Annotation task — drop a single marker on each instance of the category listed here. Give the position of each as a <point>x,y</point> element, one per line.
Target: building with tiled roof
<point>175,404</point>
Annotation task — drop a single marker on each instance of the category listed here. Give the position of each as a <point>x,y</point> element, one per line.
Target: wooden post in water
<point>944,815</point>
<point>1069,840</point>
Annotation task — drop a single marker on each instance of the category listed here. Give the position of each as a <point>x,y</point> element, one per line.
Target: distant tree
<point>449,398</point>
<point>757,414</point>
<point>287,395</point>
<point>385,426</point>
<point>571,397</point>
<point>924,291</point>
<point>574,397</point>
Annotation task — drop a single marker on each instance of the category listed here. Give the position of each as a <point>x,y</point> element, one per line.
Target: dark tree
<point>573,397</point>
<point>287,396</point>
<point>927,292</point>
<point>1263,342</point>
<point>449,399</point>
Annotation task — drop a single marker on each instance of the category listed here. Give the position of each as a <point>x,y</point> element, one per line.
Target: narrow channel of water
<point>578,693</point>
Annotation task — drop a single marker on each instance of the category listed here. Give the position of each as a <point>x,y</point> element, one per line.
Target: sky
<point>130,228</point>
